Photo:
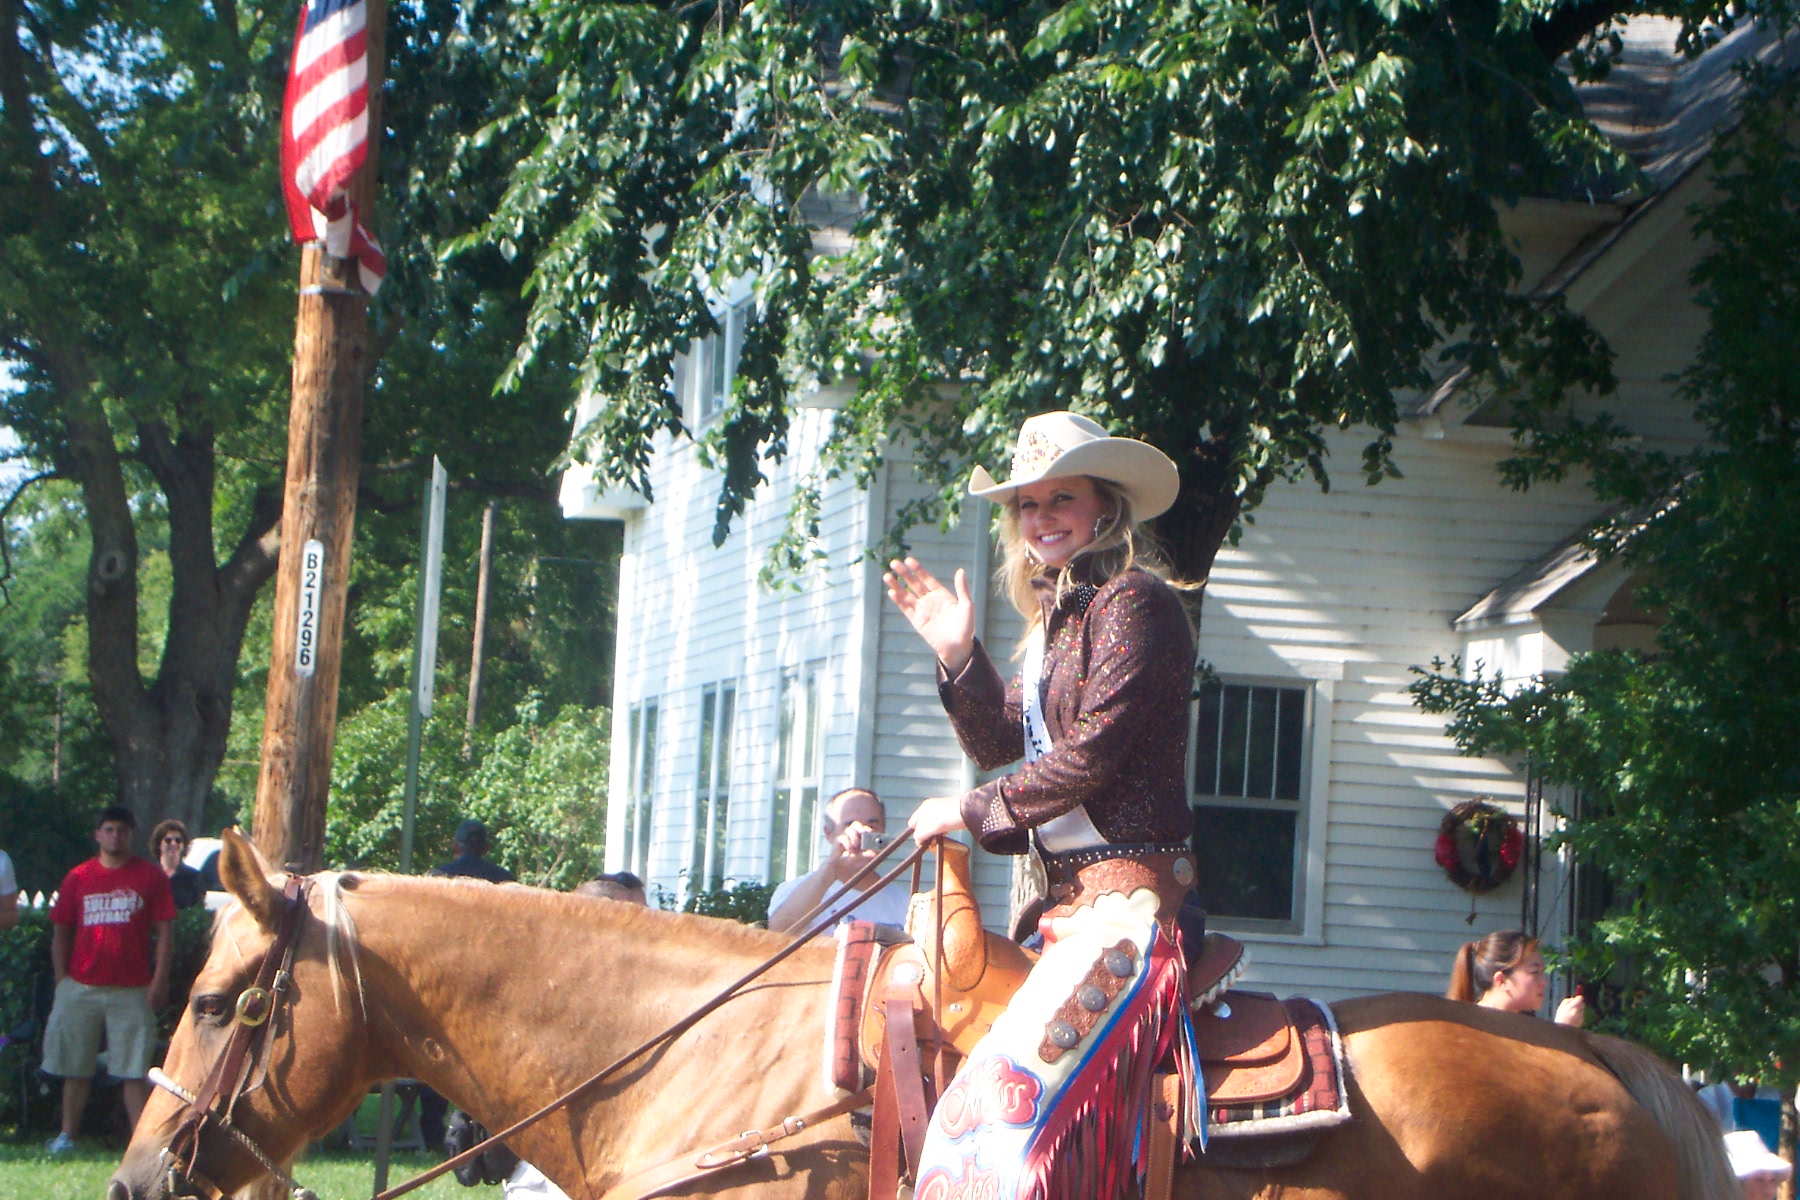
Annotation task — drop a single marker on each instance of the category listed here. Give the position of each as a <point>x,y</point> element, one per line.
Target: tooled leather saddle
<point>906,1013</point>
<point>1250,1048</point>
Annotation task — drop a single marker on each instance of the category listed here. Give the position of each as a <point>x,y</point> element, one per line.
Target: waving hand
<point>945,619</point>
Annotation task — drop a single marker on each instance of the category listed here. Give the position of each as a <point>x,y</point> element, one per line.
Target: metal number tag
<point>312,586</point>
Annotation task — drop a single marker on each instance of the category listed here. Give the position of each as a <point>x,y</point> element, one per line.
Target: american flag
<point>325,132</point>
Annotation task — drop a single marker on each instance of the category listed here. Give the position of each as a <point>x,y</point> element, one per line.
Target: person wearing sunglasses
<point>170,841</point>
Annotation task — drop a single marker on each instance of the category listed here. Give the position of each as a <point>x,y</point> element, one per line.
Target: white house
<point>1318,785</point>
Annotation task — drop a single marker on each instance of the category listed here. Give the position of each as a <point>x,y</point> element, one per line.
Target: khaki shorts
<point>81,1011</point>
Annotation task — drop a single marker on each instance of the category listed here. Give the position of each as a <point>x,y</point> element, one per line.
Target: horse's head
<point>305,1064</point>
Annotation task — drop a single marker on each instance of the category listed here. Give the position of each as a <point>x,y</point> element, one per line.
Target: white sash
<point>1074,830</point>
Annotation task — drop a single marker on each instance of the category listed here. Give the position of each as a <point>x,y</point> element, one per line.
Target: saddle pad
<point>1320,1099</point>
<point>859,946</point>
<point>1242,1029</point>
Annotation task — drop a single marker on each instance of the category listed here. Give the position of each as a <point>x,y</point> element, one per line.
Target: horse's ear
<point>246,874</point>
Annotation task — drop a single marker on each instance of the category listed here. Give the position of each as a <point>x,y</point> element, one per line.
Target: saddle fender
<point>968,1012</point>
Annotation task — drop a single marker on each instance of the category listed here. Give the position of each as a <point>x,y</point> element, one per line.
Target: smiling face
<point>1057,517</point>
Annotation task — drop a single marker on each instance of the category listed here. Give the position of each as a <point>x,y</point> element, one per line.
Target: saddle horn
<point>965,941</point>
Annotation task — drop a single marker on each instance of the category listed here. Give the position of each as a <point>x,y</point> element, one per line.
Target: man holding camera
<point>855,824</point>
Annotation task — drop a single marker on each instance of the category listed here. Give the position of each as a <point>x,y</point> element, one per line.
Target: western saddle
<point>920,1015</point>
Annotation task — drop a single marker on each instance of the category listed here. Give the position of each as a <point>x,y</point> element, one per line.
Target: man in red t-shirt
<point>106,976</point>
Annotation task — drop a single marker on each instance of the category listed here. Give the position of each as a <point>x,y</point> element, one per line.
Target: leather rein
<point>692,1165</point>
<point>231,1073</point>
<point>230,1077</point>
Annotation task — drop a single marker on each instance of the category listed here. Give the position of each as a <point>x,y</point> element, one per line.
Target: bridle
<point>231,1074</point>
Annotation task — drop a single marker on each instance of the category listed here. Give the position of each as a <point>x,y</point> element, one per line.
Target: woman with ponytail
<point>1505,971</point>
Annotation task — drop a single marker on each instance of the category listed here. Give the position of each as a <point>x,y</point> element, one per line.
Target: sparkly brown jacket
<point>1118,673</point>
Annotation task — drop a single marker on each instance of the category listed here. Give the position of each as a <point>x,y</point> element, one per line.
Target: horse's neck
<point>503,999</point>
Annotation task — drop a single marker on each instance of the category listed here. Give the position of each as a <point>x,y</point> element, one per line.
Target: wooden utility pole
<point>478,656</point>
<point>318,517</point>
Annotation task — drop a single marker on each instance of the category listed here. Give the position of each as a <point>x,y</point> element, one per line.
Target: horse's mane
<point>629,920</point>
<point>340,934</point>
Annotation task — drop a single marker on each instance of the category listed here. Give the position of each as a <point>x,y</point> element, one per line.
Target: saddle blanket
<point>1320,1101</point>
<point>859,948</point>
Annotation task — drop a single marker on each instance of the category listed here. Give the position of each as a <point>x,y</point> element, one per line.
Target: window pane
<point>807,828</point>
<point>778,836</point>
<point>1234,727</point>
<point>722,785</point>
<point>784,733</point>
<point>1292,723</point>
<point>1260,774</point>
<point>1246,861</point>
<point>647,804</point>
<point>810,762</point>
<point>634,740</point>
<point>703,787</point>
<point>720,376</point>
<point>1206,742</point>
<point>709,698</point>
<point>735,321</point>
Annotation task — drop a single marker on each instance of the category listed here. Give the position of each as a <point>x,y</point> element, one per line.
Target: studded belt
<point>1078,878</point>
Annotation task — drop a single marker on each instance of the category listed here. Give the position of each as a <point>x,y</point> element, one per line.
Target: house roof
<point>1532,587</point>
<point>1665,111</point>
<point>1538,583</point>
<point>1663,108</point>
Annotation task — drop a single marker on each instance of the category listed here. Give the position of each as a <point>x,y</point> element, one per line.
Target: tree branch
<point>6,571</point>
<point>112,595</point>
<point>258,551</point>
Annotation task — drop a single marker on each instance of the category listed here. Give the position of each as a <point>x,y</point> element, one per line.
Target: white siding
<point>1346,591</point>
<point>691,614</point>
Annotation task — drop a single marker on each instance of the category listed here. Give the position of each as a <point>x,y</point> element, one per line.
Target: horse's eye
<point>211,1007</point>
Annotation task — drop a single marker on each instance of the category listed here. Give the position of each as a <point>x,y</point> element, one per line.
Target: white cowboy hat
<point>1057,445</point>
<point>1749,1156</point>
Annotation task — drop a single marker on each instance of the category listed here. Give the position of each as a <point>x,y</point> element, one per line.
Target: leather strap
<point>908,1072</point>
<point>687,1167</point>
<point>884,1133</point>
<point>1165,1137</point>
<point>229,1072</point>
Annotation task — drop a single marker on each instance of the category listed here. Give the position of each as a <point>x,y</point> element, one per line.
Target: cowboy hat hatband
<point>1059,445</point>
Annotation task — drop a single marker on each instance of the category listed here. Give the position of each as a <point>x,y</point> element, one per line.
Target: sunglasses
<point>176,838</point>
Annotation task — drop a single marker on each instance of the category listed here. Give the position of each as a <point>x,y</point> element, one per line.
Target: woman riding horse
<point>1053,1100</point>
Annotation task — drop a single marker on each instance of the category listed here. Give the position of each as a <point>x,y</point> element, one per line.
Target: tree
<point>145,315</point>
<point>1685,758</point>
<point>1225,227</point>
<point>136,164</point>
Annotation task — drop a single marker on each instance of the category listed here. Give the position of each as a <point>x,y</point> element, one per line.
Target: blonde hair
<point>1120,543</point>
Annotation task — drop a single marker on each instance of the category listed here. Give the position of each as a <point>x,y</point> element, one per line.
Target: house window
<point>1248,791</point>
<point>640,785</point>
<point>793,838</point>
<point>712,787</point>
<point>713,363</point>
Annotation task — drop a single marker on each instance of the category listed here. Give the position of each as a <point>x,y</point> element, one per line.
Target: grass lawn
<point>27,1173</point>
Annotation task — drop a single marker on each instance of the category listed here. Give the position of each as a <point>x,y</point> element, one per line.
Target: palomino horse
<point>503,997</point>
